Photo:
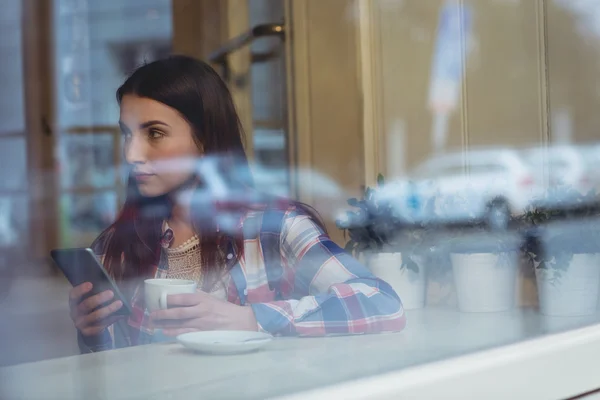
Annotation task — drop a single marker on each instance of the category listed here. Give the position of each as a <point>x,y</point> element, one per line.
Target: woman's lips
<point>140,178</point>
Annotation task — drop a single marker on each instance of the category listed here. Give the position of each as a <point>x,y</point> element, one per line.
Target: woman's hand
<point>87,317</point>
<point>200,311</point>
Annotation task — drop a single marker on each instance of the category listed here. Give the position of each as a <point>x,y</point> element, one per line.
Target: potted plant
<point>368,228</point>
<point>392,251</point>
<point>564,248</point>
<point>484,264</point>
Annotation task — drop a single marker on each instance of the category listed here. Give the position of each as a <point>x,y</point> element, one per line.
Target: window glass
<point>424,199</point>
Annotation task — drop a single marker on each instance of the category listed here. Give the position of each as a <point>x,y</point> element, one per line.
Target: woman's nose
<point>135,150</point>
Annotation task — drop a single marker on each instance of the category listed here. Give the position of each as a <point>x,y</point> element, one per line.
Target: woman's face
<point>159,145</point>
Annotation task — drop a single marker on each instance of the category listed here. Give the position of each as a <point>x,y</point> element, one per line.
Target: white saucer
<point>224,342</point>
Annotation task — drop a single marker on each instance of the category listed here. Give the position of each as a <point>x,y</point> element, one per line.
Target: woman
<point>274,270</point>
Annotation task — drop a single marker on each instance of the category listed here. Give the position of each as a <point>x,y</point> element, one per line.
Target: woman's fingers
<point>89,315</point>
<point>90,304</point>
<point>188,299</point>
<point>104,312</point>
<point>184,306</point>
<point>100,318</point>
<point>195,323</point>
<point>92,330</point>
<point>178,331</point>
<point>99,327</point>
<point>177,313</point>
<point>77,292</point>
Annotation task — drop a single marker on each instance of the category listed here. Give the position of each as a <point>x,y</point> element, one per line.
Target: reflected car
<point>564,166</point>
<point>226,194</point>
<point>486,185</point>
<point>276,181</point>
<point>569,173</point>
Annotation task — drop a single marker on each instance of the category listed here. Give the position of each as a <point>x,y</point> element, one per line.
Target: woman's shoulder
<point>283,215</point>
<point>279,208</point>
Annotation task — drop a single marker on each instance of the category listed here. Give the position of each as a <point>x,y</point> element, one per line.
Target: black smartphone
<point>81,265</point>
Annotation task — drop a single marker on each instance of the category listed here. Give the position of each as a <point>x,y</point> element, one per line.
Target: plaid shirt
<point>321,290</point>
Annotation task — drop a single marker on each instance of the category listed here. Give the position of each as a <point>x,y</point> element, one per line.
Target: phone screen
<point>81,265</point>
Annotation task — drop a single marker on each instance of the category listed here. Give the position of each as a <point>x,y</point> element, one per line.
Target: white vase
<point>485,282</point>
<point>575,291</point>
<point>409,285</point>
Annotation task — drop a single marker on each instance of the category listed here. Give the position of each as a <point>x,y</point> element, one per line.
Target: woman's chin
<point>149,191</point>
<point>152,188</point>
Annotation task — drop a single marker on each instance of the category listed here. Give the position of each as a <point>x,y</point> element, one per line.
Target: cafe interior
<point>452,147</point>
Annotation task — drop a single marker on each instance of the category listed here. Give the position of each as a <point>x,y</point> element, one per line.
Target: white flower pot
<point>409,285</point>
<point>485,282</point>
<point>575,291</point>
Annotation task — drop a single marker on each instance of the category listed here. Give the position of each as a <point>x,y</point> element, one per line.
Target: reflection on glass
<point>9,229</point>
<point>97,44</point>
<point>457,186</point>
<point>84,216</point>
<point>88,161</point>
<point>14,240</point>
<point>12,118</point>
<point>566,166</point>
<point>270,152</point>
<point>13,163</point>
<point>482,245</point>
<point>268,89</point>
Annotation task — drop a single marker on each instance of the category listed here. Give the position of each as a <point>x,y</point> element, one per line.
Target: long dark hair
<point>131,245</point>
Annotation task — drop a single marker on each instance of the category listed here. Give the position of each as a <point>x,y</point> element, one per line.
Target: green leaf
<point>411,265</point>
<point>380,180</point>
<point>353,202</point>
<point>362,246</point>
<point>369,193</point>
<point>349,248</point>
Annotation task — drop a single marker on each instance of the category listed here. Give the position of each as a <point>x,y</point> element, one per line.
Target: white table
<point>286,366</point>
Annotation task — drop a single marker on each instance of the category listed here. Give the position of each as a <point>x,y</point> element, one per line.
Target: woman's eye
<point>155,134</point>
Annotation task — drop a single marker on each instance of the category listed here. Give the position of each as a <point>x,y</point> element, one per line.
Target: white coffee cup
<point>157,290</point>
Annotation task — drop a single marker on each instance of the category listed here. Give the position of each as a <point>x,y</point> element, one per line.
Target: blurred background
<point>497,98</point>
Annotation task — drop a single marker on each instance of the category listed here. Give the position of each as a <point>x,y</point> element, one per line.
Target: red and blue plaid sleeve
<point>333,292</point>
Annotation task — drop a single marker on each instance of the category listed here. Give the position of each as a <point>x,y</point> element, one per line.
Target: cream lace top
<point>185,262</point>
